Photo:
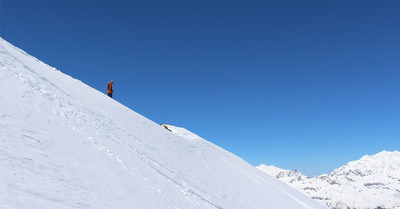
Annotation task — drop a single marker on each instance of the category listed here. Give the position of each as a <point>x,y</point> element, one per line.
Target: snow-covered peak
<point>383,163</point>
<point>368,183</point>
<point>66,145</point>
<point>282,174</point>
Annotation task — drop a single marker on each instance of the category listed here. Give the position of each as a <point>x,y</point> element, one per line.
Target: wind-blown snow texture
<point>66,145</point>
<point>369,183</point>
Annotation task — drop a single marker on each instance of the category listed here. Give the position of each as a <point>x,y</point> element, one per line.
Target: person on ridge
<point>110,89</point>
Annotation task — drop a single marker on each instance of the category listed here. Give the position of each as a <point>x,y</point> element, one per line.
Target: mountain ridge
<point>368,183</point>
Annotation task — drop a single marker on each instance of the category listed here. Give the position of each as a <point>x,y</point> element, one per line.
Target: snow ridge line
<point>25,54</point>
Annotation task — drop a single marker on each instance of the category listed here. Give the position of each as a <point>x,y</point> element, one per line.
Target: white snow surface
<point>369,183</point>
<point>64,144</point>
<point>182,132</point>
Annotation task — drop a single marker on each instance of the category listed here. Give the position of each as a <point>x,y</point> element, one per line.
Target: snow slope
<point>368,183</point>
<point>64,144</point>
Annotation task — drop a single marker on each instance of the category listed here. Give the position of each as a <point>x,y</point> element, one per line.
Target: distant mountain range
<point>373,182</point>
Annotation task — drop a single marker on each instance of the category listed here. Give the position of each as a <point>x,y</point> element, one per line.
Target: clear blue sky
<point>306,85</point>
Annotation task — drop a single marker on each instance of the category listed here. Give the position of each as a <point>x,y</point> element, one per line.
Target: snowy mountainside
<point>64,144</point>
<point>288,176</point>
<point>369,183</point>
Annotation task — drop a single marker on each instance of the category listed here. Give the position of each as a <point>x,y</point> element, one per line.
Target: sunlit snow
<point>64,144</point>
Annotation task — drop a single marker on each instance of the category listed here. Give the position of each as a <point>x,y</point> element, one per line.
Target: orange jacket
<point>109,88</point>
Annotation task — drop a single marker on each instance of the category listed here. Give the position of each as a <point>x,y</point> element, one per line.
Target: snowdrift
<point>64,144</point>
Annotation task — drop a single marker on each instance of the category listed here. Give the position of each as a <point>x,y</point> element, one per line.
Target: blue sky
<point>306,85</point>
